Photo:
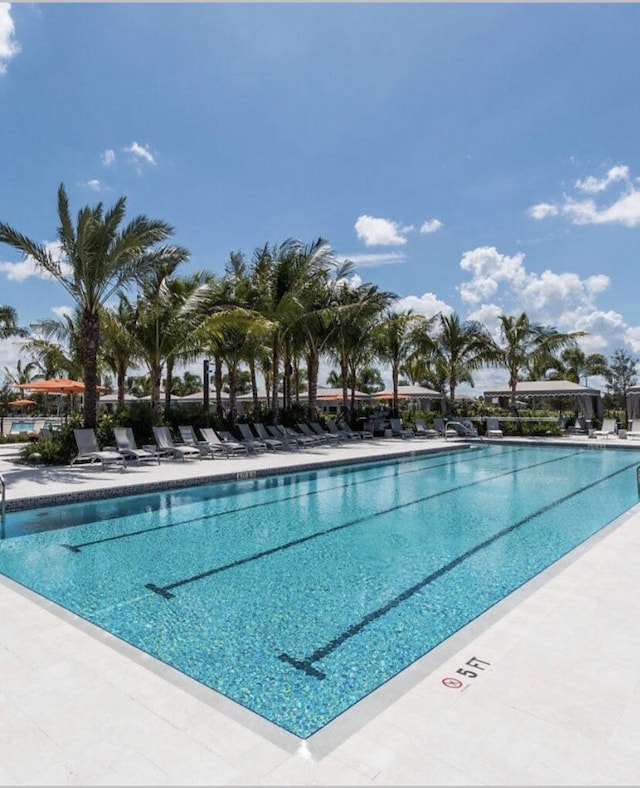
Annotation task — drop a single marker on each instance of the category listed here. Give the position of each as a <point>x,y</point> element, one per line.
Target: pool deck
<point>556,703</point>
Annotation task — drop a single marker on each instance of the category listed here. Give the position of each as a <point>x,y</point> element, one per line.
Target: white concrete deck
<point>558,703</point>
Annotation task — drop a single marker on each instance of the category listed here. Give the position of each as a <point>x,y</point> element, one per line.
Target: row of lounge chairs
<point>210,444</point>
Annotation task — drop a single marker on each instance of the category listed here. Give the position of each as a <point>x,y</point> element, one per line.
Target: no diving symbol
<point>452,683</point>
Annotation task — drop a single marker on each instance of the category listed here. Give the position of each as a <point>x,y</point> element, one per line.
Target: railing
<point>4,497</point>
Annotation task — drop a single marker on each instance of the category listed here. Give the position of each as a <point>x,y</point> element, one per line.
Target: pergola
<point>589,401</point>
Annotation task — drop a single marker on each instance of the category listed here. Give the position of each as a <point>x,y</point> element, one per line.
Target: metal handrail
<point>4,497</point>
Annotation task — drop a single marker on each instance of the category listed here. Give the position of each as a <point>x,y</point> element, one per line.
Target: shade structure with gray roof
<point>589,400</point>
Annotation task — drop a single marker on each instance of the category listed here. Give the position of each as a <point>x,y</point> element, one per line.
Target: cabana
<point>633,403</point>
<point>588,400</point>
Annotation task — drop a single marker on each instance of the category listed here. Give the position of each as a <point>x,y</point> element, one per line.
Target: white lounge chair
<point>609,427</point>
<point>89,451</point>
<point>230,448</point>
<point>126,445</point>
<point>634,429</point>
<point>444,430</point>
<point>189,438</point>
<point>422,431</point>
<point>165,445</point>
<point>493,429</point>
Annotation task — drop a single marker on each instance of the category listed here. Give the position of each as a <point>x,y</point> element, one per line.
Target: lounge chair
<point>609,427</point>
<point>230,448</point>
<point>443,429</point>
<point>464,429</point>
<point>307,432</point>
<point>343,434</point>
<point>363,434</point>
<point>493,429</point>
<point>272,443</point>
<point>126,445</point>
<point>398,430</point>
<point>165,445</point>
<point>422,431</point>
<point>298,437</point>
<point>278,432</point>
<point>189,438</point>
<point>331,437</point>
<point>89,451</point>
<point>249,440</point>
<point>634,429</point>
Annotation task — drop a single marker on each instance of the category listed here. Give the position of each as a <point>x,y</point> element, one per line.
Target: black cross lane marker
<point>165,591</point>
<point>306,663</point>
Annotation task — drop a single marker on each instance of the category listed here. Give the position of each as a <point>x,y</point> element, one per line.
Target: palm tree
<point>524,343</point>
<point>119,343</point>
<point>9,323</point>
<point>98,259</point>
<point>22,374</point>
<point>576,364</point>
<point>459,349</point>
<point>396,339</point>
<point>356,313</point>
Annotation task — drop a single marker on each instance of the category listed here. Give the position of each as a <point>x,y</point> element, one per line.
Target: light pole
<point>205,380</point>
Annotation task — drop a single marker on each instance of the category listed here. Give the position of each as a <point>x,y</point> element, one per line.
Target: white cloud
<point>375,260</point>
<point>140,154</point>
<point>428,304</point>
<point>430,226</point>
<point>488,270</point>
<point>62,311</point>
<point>623,209</point>
<point>108,157</point>
<point>543,210</point>
<point>381,232</point>
<point>9,355</point>
<point>9,47</point>
<point>593,185</point>
<point>95,184</point>
<point>25,268</point>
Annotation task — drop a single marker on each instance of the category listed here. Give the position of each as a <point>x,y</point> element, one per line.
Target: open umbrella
<point>57,386</point>
<point>19,403</point>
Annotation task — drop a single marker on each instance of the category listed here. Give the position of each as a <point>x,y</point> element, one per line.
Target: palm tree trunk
<point>90,332</point>
<point>168,385</point>
<point>254,383</point>
<point>275,368</point>
<point>313,365</point>
<point>217,382</point>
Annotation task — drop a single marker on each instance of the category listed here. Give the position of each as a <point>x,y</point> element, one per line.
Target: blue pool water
<point>22,426</point>
<point>298,595</point>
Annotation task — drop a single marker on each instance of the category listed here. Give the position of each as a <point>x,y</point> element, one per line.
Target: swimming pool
<point>22,426</point>
<point>298,595</point>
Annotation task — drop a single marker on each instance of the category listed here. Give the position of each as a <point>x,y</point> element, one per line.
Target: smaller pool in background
<point>22,426</point>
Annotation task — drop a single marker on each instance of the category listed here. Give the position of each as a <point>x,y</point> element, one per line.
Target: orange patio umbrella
<point>18,403</point>
<point>57,386</point>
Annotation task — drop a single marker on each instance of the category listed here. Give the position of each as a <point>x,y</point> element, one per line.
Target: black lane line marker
<point>78,547</point>
<point>165,591</point>
<point>306,663</point>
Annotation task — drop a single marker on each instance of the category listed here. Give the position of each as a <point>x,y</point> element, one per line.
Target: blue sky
<point>469,157</point>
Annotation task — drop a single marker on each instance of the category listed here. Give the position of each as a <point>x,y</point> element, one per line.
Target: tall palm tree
<point>576,364</point>
<point>459,349</point>
<point>396,338</point>
<point>9,323</point>
<point>524,343</point>
<point>119,342</point>
<point>356,313</point>
<point>21,374</point>
<point>99,258</point>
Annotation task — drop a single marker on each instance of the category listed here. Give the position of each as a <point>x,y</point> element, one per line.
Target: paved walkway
<point>557,704</point>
